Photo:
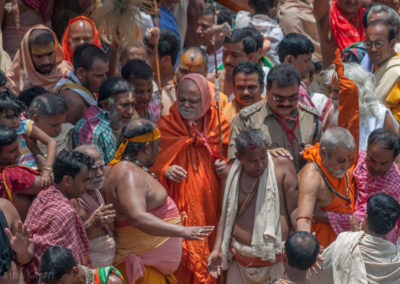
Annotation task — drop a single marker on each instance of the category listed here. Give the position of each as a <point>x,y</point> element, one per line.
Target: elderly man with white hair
<point>372,114</point>
<point>326,182</point>
<point>96,215</point>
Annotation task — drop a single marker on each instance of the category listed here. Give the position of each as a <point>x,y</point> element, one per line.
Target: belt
<point>254,261</point>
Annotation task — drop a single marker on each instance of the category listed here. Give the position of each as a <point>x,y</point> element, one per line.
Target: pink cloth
<point>366,187</point>
<point>165,258</point>
<point>304,96</point>
<point>202,83</point>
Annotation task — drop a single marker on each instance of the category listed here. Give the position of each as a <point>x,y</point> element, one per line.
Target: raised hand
<point>102,216</point>
<point>21,241</point>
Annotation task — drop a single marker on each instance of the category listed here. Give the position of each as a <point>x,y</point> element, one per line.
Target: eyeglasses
<point>378,43</point>
<point>280,99</point>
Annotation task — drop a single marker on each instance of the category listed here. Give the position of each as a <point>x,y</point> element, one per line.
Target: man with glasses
<point>248,85</point>
<point>284,121</point>
<point>380,42</point>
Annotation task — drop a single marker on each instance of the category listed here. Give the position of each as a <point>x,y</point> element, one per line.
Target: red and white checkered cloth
<point>53,220</point>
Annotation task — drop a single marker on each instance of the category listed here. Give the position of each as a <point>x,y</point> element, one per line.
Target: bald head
<point>193,60</point>
<point>80,32</point>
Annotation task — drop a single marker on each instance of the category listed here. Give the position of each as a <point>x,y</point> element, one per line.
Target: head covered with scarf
<point>202,83</point>
<point>22,75</point>
<point>65,43</point>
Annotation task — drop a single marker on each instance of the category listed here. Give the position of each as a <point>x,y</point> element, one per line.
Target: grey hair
<point>47,105</point>
<point>249,138</point>
<point>367,100</point>
<point>83,148</point>
<point>393,17</point>
<point>336,137</point>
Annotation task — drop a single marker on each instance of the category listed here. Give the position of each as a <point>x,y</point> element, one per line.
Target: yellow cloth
<point>231,110</point>
<point>151,276</point>
<point>142,242</point>
<point>393,101</point>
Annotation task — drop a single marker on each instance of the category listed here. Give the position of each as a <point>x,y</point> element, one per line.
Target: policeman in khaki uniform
<point>284,122</point>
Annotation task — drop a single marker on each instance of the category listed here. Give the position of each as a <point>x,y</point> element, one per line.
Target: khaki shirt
<point>260,116</point>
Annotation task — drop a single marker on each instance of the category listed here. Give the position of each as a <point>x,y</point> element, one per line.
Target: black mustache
<point>281,106</point>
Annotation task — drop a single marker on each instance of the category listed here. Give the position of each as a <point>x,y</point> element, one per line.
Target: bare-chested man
<point>31,13</point>
<point>260,194</point>
<point>326,182</point>
<point>147,229</point>
<point>339,25</point>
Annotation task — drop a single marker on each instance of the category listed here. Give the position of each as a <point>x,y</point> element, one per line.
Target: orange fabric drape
<point>199,196</point>
<point>324,231</point>
<point>65,45</point>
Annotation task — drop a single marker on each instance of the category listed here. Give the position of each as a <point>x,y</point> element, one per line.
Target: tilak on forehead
<point>192,60</point>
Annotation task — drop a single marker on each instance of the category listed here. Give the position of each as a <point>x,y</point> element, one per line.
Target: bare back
<point>77,107</point>
<point>126,184</point>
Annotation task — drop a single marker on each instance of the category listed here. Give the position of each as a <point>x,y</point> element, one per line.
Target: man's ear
<point>166,61</point>
<point>237,155</point>
<point>80,73</point>
<point>147,147</point>
<point>323,153</point>
<point>35,118</point>
<point>288,59</point>
<point>67,180</point>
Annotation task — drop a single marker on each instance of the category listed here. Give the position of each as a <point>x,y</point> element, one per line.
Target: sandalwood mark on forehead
<point>42,49</point>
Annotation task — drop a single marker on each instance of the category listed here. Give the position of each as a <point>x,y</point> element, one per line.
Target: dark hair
<point>139,69</point>
<point>284,75</point>
<point>47,105</point>
<point>140,128</point>
<point>248,67</point>
<point>223,14</point>
<point>249,41</point>
<point>258,37</point>
<point>294,44</point>
<point>168,45</point>
<point>28,95</point>
<point>7,135</point>
<point>387,139</point>
<point>391,30</point>
<point>9,102</point>
<point>261,6</point>
<point>40,37</point>
<point>301,250</point>
<point>112,87</point>
<point>383,212</point>
<point>70,163</point>
<point>3,78</point>
<point>86,54</point>
<point>56,261</point>
<point>249,138</point>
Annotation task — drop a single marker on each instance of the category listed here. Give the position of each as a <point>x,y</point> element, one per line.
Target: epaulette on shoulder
<point>309,109</point>
<point>248,111</point>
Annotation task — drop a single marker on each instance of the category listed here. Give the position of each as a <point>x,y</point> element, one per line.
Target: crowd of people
<point>228,143</point>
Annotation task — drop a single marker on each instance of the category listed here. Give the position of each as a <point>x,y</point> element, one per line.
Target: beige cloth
<point>168,97</point>
<point>359,258</point>
<point>296,16</point>
<point>260,116</point>
<point>267,237</point>
<point>64,140</point>
<point>386,77</point>
<point>102,251</point>
<point>20,79</point>
<point>5,60</point>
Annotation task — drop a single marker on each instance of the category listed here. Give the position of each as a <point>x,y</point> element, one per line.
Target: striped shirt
<point>95,128</point>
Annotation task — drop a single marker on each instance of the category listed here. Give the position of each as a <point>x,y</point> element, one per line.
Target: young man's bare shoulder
<point>281,161</point>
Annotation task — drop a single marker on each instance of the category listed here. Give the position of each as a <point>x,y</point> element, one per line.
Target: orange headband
<point>147,137</point>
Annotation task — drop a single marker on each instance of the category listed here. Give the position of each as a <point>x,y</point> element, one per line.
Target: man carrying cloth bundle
<point>147,232</point>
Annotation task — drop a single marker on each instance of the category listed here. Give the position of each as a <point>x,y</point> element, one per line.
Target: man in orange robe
<point>79,30</point>
<point>326,182</point>
<point>188,167</point>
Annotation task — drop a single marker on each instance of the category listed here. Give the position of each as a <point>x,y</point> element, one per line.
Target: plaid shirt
<point>95,128</point>
<point>53,220</point>
<point>366,187</point>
